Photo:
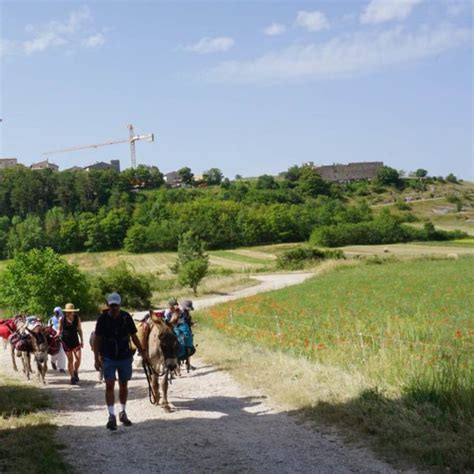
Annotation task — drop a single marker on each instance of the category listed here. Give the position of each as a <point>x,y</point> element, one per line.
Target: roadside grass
<point>27,438</point>
<point>388,346</point>
<point>211,285</point>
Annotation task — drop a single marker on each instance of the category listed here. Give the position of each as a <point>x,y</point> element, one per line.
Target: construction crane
<point>132,138</point>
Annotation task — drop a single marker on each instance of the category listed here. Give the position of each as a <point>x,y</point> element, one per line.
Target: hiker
<point>187,336</point>
<point>70,330</point>
<point>173,307</point>
<point>186,306</point>
<point>113,353</point>
<point>58,361</point>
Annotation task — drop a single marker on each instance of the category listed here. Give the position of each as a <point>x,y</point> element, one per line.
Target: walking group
<point>114,343</point>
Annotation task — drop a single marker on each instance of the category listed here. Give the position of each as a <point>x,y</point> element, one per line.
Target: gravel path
<point>216,425</point>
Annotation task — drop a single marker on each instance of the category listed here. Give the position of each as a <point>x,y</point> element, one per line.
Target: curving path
<point>216,425</point>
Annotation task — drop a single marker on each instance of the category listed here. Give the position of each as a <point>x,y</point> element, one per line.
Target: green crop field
<point>405,328</point>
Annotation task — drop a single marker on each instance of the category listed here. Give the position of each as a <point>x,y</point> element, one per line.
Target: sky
<point>250,87</point>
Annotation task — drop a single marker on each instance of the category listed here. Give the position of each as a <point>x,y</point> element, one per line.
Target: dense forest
<point>103,210</point>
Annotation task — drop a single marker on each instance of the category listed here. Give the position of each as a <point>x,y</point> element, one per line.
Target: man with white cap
<point>113,354</point>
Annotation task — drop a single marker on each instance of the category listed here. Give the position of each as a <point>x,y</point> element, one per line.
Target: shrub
<point>296,258</point>
<point>136,239</point>
<point>403,206</point>
<point>38,280</point>
<point>135,289</point>
<point>379,231</point>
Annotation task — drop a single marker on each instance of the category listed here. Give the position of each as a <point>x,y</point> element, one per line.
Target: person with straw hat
<point>70,330</point>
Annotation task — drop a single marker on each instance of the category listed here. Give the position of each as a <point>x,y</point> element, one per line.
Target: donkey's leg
<point>25,358</point>
<point>15,368</point>
<point>164,387</point>
<point>44,367</point>
<point>41,367</point>
<point>155,387</point>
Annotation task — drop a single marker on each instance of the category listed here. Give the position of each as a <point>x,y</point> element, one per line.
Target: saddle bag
<point>21,342</point>
<point>185,341</point>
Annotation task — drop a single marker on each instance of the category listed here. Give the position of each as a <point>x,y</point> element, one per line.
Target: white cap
<point>114,298</point>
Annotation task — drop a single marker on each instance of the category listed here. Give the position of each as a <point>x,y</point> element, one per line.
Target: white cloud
<point>94,41</point>
<point>42,42</point>
<point>73,31</point>
<point>380,11</point>
<point>343,56</point>
<point>211,45</point>
<point>274,29</point>
<point>312,21</point>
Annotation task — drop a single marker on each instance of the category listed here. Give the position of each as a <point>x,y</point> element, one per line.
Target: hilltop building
<point>350,172</point>
<point>7,163</point>
<point>173,179</point>
<point>101,165</point>
<point>44,165</point>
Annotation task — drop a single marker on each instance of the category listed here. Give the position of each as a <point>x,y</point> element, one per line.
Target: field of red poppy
<point>405,327</point>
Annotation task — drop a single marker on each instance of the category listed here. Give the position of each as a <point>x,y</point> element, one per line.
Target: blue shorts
<point>123,367</point>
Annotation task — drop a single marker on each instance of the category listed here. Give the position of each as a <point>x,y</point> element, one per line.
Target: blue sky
<point>251,87</point>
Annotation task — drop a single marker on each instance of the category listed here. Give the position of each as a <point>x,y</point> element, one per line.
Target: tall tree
<point>213,176</point>
<point>186,175</point>
<point>192,262</point>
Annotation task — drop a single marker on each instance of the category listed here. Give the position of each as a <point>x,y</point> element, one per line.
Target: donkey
<point>20,329</point>
<point>40,345</point>
<point>32,342</point>
<point>162,344</point>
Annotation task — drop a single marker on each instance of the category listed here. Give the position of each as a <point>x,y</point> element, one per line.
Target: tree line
<point>104,209</point>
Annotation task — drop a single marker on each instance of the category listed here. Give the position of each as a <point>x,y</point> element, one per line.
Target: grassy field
<point>238,260</point>
<point>27,442</point>
<point>392,345</point>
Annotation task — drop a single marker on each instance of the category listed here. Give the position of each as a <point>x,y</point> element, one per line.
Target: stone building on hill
<point>44,165</point>
<point>113,165</point>
<point>7,163</point>
<point>350,172</point>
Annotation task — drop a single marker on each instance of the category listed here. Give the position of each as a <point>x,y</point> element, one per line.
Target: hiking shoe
<point>76,376</point>
<point>53,365</point>
<point>112,423</point>
<point>62,371</point>
<point>124,419</point>
<point>73,381</point>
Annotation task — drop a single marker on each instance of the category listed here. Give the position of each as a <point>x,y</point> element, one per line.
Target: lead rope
<point>147,369</point>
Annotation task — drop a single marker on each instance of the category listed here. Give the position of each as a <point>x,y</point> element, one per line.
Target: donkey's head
<point>40,345</point>
<point>169,346</point>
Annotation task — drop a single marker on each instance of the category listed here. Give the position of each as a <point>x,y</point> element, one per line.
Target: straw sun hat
<point>69,308</point>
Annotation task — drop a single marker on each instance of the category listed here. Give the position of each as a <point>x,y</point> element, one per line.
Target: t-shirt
<point>115,333</point>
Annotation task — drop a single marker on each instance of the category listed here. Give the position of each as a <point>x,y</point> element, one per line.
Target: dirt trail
<point>216,425</point>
